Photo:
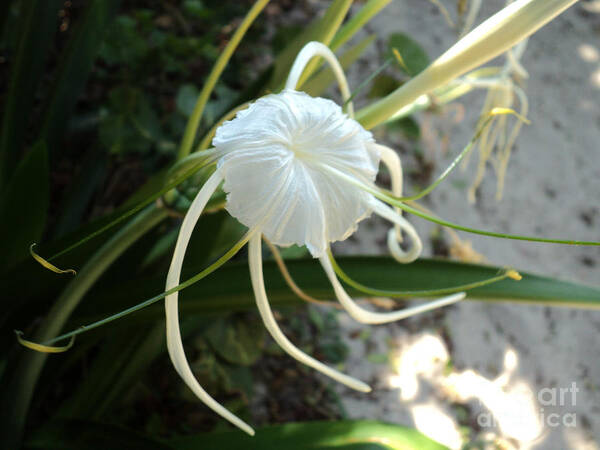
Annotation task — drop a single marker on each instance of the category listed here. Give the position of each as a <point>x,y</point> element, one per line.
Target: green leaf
<point>229,289</point>
<point>74,68</point>
<point>382,86</point>
<point>37,25</point>
<point>238,341</point>
<point>415,58</point>
<point>347,434</point>
<point>408,126</point>
<point>79,434</point>
<point>24,205</point>
<point>121,361</point>
<point>186,99</point>
<point>130,124</point>
<point>77,198</point>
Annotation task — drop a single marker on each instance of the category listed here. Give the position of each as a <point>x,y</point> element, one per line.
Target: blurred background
<point>108,87</point>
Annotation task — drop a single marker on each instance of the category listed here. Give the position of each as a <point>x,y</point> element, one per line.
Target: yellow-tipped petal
<point>43,348</point>
<point>47,264</point>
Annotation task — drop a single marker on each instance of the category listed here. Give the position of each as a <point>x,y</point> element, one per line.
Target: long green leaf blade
<point>80,434</point>
<point>37,25</point>
<point>23,206</point>
<point>74,68</point>
<point>229,289</point>
<point>357,22</point>
<point>346,434</point>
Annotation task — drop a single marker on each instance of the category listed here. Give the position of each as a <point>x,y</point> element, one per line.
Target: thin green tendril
<point>508,273</point>
<point>399,202</point>
<point>178,174</point>
<point>210,269</point>
<point>486,120</point>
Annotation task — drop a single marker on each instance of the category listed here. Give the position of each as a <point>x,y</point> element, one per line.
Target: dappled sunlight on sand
<point>423,359</point>
<point>590,54</point>
<point>433,422</point>
<point>576,440</point>
<point>503,407</point>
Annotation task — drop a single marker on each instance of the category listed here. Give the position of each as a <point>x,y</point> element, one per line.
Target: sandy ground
<point>522,376</point>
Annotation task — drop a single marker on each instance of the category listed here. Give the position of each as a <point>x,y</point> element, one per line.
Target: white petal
<point>280,144</point>
<point>258,284</point>
<point>365,316</point>
<point>400,255</point>
<point>174,342</point>
<point>308,52</point>
<point>392,161</point>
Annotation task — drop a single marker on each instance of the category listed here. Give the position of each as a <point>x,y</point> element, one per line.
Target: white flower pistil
<point>295,170</point>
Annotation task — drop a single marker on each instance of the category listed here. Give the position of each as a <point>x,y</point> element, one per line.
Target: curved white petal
<point>293,136</point>
<point>388,213</point>
<point>392,161</point>
<point>174,342</point>
<point>365,316</point>
<point>258,284</point>
<point>308,52</point>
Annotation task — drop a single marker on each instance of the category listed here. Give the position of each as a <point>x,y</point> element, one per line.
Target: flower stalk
<point>493,37</point>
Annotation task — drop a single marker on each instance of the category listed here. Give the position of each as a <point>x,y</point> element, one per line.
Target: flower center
<point>276,152</point>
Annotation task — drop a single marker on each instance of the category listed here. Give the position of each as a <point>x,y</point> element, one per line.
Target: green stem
<point>17,396</point>
<point>194,122</point>
<point>180,172</point>
<point>210,269</point>
<point>415,293</point>
<point>399,202</point>
<point>357,22</point>
<point>454,163</point>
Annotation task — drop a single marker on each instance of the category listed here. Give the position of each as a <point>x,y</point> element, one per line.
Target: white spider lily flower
<point>285,165</point>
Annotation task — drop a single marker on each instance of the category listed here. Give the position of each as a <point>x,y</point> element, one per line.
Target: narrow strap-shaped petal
<point>308,52</point>
<point>174,342</point>
<point>392,161</point>
<point>258,284</point>
<point>388,213</point>
<point>365,316</point>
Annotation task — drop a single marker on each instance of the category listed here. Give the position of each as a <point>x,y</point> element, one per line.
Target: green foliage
<point>340,435</point>
<point>24,205</point>
<point>237,342</point>
<point>229,288</point>
<point>383,85</point>
<point>414,57</point>
<point>343,435</point>
<point>116,89</point>
<point>407,126</point>
<point>37,22</point>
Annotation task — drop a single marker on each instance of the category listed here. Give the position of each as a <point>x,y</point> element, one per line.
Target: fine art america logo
<point>548,400</point>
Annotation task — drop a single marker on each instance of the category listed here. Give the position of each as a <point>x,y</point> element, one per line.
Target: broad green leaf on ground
<point>414,57</point>
<point>383,85</point>
<point>407,126</point>
<point>347,434</point>
<point>239,341</point>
